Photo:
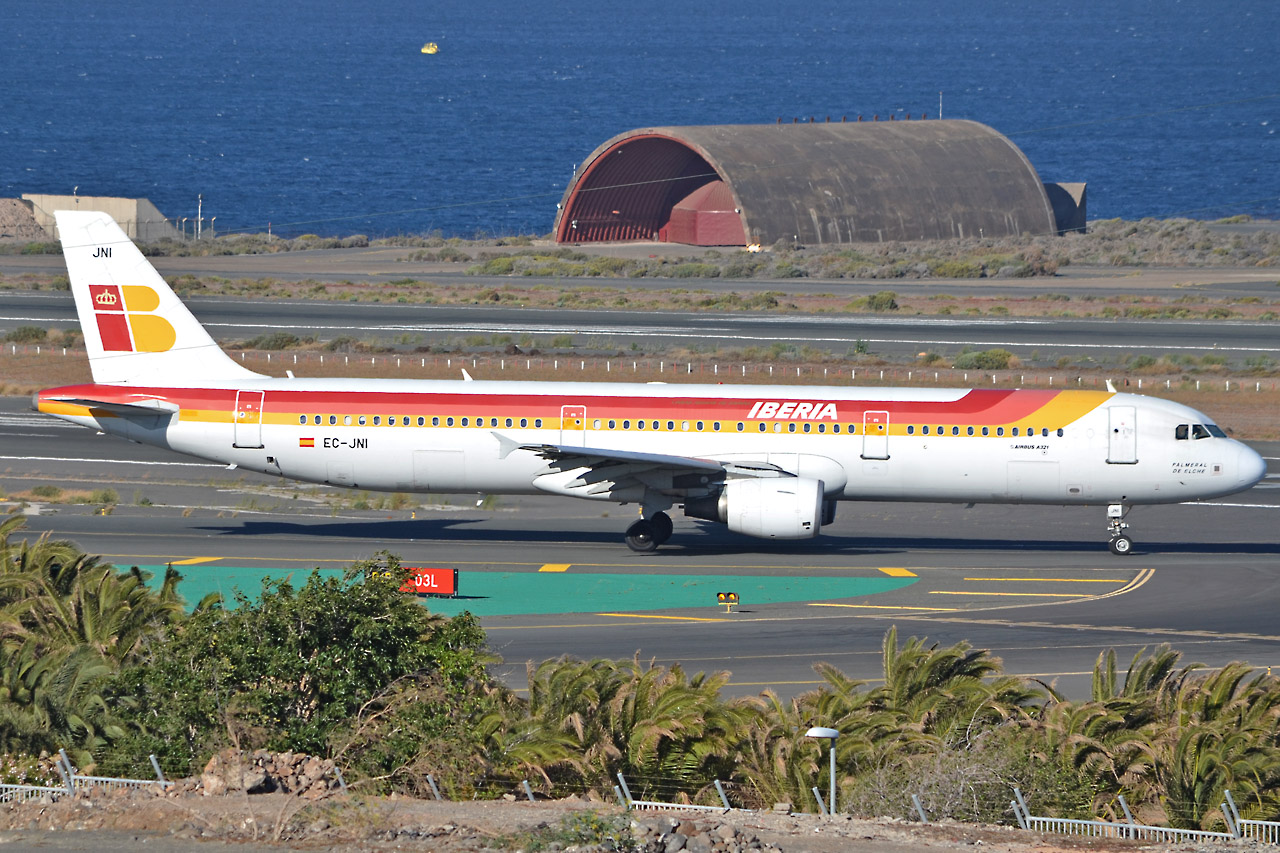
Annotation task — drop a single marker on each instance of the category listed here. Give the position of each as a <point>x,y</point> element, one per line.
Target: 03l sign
<point>423,581</point>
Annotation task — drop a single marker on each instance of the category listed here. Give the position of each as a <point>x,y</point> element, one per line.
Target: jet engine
<point>768,508</point>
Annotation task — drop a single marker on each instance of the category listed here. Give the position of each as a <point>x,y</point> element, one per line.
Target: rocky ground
<point>236,821</point>
<point>260,800</point>
<point>17,224</point>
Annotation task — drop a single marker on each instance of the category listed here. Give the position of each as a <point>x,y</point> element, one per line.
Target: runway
<point>1035,340</point>
<point>548,577</point>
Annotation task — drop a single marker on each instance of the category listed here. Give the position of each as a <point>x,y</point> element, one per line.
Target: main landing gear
<point>648,533</point>
<point>1120,543</point>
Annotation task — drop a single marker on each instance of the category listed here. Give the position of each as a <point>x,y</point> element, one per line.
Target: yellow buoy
<point>430,47</point>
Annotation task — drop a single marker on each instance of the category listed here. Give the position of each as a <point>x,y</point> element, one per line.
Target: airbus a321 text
<point>768,461</point>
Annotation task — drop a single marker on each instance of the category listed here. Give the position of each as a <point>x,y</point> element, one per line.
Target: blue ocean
<point>327,117</point>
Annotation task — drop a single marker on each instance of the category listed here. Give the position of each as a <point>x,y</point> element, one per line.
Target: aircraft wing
<point>611,474</point>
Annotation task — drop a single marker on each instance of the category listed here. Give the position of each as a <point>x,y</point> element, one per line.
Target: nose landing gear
<point>1120,543</point>
<point>647,534</point>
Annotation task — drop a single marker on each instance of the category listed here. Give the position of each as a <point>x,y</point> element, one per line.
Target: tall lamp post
<point>831,734</point>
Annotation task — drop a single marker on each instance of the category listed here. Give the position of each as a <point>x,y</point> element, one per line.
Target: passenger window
<point>465,422</point>
<point>1180,432</point>
<point>613,424</point>
<point>777,427</point>
<point>924,430</point>
<point>537,423</point>
<point>595,424</point>
<point>955,430</point>
<point>524,422</point>
<point>741,426</point>
<point>835,427</point>
<point>626,424</point>
<point>671,425</point>
<point>1060,433</point>
<point>333,419</point>
<point>302,419</point>
<point>655,425</point>
<point>808,427</point>
<point>699,426</point>
<point>763,427</point>
<point>999,430</point>
<point>493,422</point>
<point>822,427</point>
<point>969,430</point>
<point>405,421</point>
<point>1198,432</point>
<point>377,421</point>
<point>911,430</point>
<point>316,420</point>
<point>1045,432</point>
<point>509,422</point>
<point>346,419</point>
<point>986,431</point>
<point>716,426</point>
<point>639,424</point>
<point>1015,432</point>
<point>448,422</point>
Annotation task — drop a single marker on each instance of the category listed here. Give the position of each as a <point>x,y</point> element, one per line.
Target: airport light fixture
<point>830,734</point>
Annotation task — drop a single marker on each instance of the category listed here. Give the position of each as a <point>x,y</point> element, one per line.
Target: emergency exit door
<point>875,435</point>
<point>573,425</point>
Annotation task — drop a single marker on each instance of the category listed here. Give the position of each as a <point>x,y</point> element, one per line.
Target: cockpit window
<point>1180,432</point>
<point>1199,431</point>
<point>1215,431</point>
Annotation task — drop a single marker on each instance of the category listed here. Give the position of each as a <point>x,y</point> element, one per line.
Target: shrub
<point>884,300</point>
<point>27,335</point>
<point>273,341</point>
<point>992,359</point>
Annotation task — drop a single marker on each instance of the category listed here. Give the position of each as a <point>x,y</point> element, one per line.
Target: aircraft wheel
<point>641,537</point>
<point>1121,545</point>
<point>662,526</point>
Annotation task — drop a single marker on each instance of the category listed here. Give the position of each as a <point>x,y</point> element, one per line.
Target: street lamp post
<point>830,734</point>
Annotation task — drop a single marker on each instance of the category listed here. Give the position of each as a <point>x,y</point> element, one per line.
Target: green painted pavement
<point>518,593</point>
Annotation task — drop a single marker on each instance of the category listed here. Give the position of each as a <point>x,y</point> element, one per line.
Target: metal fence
<point>1130,829</point>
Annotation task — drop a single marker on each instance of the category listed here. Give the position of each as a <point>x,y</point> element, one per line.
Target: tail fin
<point>135,328</point>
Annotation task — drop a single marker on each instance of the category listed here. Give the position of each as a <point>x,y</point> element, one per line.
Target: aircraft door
<point>573,425</point>
<point>1122,438</point>
<point>248,424</point>
<point>875,435</point>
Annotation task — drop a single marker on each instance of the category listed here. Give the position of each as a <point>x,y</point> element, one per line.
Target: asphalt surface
<point>1048,339</point>
<point>1036,585</point>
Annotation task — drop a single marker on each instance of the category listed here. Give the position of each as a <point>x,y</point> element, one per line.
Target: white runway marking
<point>109,461</point>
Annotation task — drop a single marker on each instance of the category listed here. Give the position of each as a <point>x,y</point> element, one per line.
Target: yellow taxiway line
<point>555,567</point>
<point>885,607</point>
<point>1053,580</point>
<point>673,618</point>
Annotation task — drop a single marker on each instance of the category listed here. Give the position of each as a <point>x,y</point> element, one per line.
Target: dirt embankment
<point>191,821</point>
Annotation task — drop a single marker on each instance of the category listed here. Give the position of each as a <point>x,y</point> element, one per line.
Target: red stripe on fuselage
<point>973,407</point>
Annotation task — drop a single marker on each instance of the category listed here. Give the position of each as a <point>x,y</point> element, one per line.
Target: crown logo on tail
<point>106,297</point>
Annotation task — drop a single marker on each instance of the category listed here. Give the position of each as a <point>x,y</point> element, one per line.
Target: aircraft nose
<point>1250,466</point>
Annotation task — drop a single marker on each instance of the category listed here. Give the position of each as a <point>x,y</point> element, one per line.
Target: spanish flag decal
<point>306,442</point>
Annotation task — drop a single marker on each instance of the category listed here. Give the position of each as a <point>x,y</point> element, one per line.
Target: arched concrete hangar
<point>833,182</point>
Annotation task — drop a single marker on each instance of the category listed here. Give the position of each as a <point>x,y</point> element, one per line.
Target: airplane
<point>767,461</point>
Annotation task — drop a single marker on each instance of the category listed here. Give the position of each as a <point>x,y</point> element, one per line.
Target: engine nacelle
<point>768,508</point>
